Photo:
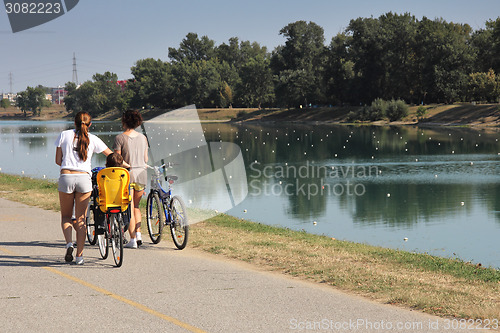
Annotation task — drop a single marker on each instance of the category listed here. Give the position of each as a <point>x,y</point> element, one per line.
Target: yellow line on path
<point>115,296</point>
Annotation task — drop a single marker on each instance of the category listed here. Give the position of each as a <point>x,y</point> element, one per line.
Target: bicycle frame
<point>164,195</point>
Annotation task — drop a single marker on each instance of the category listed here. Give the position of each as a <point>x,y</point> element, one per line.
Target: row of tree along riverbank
<point>394,56</point>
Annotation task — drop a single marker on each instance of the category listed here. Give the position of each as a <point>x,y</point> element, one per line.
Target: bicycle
<point>163,208</point>
<point>92,210</point>
<point>113,201</point>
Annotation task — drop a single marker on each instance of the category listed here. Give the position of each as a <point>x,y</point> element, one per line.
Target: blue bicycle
<point>162,208</point>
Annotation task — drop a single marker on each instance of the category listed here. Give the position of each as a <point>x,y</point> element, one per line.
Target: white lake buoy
<point>244,210</point>
<point>388,195</point>
<point>405,239</point>
<point>315,222</point>
<point>462,203</point>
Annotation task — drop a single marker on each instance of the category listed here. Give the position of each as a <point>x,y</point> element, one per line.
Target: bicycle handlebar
<point>168,165</point>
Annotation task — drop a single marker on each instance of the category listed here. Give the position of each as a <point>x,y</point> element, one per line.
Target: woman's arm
<point>107,152</point>
<point>59,156</point>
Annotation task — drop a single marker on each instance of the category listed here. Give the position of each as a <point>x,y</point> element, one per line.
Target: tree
<point>32,99</point>
<point>101,95</point>
<point>445,59</point>
<point>4,103</point>
<point>256,86</point>
<point>151,85</point>
<point>70,100</point>
<point>298,64</point>
<point>484,87</point>
<point>229,53</point>
<point>197,82</point>
<point>107,92</point>
<point>383,57</point>
<point>193,48</point>
<point>339,71</point>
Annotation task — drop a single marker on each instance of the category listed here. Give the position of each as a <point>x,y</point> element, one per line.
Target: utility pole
<point>75,75</point>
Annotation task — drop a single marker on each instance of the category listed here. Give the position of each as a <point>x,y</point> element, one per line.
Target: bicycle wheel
<point>102,241</point>
<point>90,221</point>
<point>179,226</point>
<point>155,217</point>
<point>116,221</point>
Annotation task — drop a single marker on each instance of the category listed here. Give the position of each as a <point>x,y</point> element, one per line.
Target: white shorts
<point>75,182</point>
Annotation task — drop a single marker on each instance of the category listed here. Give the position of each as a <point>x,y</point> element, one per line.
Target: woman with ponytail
<point>74,149</point>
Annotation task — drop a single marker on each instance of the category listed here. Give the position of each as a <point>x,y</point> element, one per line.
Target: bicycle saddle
<point>169,178</point>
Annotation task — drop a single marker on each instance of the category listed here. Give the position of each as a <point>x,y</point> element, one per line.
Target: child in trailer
<point>114,160</point>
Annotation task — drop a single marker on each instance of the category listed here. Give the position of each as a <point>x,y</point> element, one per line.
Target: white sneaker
<point>79,260</point>
<point>132,244</point>
<point>139,238</point>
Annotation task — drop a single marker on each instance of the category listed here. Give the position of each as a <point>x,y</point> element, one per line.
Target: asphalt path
<point>160,289</point>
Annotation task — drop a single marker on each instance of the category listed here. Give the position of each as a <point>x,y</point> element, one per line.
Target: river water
<point>433,190</point>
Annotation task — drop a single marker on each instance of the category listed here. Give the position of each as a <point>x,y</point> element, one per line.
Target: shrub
<point>421,111</point>
<point>396,110</point>
<point>378,109</point>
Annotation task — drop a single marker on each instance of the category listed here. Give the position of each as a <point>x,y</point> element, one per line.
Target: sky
<point>111,35</point>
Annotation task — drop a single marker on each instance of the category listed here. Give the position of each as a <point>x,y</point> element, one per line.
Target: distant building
<point>122,83</point>
<point>10,97</point>
<point>58,95</point>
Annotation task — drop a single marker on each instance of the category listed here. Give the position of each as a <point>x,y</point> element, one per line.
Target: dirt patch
<point>467,114</point>
<point>54,112</point>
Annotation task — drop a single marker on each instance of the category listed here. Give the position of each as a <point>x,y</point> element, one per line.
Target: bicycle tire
<point>90,222</point>
<point>179,225</point>
<point>102,242</point>
<point>116,221</point>
<point>155,217</point>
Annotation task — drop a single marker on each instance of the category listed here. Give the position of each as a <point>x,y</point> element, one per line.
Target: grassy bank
<point>440,286</point>
<point>459,114</point>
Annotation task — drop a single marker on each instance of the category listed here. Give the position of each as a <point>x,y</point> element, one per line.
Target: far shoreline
<point>480,116</point>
